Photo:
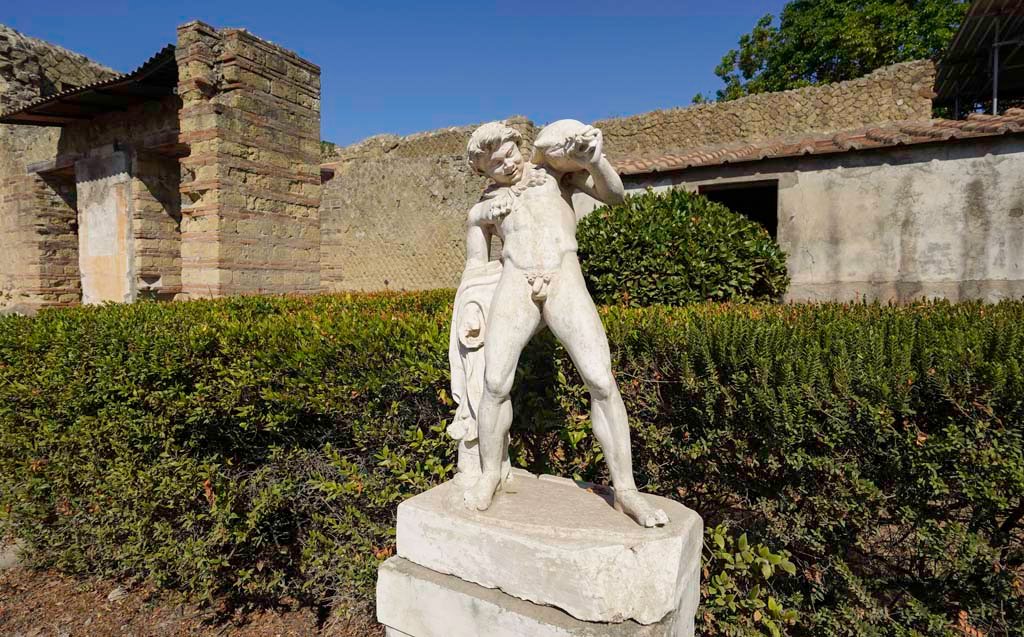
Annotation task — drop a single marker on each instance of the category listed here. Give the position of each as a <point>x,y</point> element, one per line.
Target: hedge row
<point>676,247</point>
<point>860,468</point>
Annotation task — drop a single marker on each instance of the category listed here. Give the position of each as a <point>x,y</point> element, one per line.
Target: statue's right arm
<point>478,241</point>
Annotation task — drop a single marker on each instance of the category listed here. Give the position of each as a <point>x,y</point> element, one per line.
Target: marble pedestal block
<point>413,601</point>
<point>549,550</point>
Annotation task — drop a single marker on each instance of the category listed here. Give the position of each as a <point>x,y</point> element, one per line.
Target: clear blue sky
<point>403,67</point>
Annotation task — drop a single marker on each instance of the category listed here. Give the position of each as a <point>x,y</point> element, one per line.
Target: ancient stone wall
<point>394,214</point>
<point>251,186</point>
<point>156,209</point>
<point>31,68</point>
<point>891,93</point>
<point>38,259</point>
<point>154,182</point>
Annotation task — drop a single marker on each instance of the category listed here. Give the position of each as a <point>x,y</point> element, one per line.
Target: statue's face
<point>505,165</point>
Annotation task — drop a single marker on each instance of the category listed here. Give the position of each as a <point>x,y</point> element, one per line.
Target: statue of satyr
<point>538,283</point>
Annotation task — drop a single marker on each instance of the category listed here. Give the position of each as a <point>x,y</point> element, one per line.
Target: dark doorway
<point>756,200</point>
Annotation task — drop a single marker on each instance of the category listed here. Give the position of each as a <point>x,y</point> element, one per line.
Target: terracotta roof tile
<point>887,136</point>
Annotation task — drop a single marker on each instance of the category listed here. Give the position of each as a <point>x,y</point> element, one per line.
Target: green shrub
<point>258,447</point>
<point>678,247</point>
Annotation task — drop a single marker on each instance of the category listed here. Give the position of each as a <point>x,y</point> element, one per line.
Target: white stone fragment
<point>413,601</point>
<point>556,543</point>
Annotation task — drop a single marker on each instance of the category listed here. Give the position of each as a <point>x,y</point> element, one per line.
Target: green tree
<point>820,41</point>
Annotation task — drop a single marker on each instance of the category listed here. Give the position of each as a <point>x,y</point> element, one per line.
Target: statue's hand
<point>586,147</point>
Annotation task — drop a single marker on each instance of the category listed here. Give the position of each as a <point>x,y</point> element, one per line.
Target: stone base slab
<point>413,601</point>
<point>557,543</point>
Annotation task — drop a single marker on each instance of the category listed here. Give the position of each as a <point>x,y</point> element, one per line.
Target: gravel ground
<point>48,604</point>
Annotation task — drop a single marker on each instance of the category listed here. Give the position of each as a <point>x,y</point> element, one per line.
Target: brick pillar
<point>251,185</point>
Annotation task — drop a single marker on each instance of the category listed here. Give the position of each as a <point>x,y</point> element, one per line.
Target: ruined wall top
<point>443,141</point>
<point>31,68</point>
<point>892,93</point>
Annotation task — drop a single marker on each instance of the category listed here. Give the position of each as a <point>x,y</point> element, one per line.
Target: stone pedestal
<point>549,558</point>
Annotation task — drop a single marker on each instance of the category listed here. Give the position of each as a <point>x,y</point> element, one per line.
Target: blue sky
<point>403,67</point>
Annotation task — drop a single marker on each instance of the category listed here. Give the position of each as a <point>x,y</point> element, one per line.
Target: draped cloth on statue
<point>466,344</point>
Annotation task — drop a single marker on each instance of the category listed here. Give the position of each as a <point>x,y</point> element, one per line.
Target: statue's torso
<point>536,223</point>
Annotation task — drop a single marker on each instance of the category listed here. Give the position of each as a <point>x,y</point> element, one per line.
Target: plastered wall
<point>935,220</point>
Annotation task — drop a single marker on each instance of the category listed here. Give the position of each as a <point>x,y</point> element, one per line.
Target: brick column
<point>251,185</point>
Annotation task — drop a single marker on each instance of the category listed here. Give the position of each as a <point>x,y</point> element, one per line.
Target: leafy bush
<point>678,247</point>
<point>258,447</point>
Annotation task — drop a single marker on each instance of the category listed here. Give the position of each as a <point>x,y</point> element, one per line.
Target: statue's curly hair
<point>486,139</point>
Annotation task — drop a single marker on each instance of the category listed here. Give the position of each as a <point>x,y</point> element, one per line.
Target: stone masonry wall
<point>38,259</point>
<point>251,185</point>
<point>155,181</point>
<point>31,68</point>
<point>891,93</point>
<point>394,214</point>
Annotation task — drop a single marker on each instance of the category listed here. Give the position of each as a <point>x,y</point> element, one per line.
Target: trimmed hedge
<point>677,247</point>
<point>258,448</point>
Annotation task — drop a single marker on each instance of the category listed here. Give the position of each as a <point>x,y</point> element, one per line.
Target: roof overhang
<point>991,36</point>
<point>155,79</point>
<point>876,138</point>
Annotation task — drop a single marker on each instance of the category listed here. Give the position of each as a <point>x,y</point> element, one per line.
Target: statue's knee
<point>498,385</point>
<point>601,386</point>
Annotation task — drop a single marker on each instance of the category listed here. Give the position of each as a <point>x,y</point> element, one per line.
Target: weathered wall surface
<point>39,259</point>
<point>251,211</point>
<point>103,186</point>
<point>31,68</point>
<point>892,93</point>
<point>394,214</point>
<point>941,220</point>
<point>154,201</point>
<point>156,225</point>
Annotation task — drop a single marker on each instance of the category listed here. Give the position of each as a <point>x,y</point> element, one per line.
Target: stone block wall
<point>38,257</point>
<point>153,186</point>
<point>31,68</point>
<point>251,185</point>
<point>891,93</point>
<point>393,216</point>
<point>156,210</point>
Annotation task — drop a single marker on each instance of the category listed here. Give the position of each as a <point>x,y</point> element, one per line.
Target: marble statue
<point>537,283</point>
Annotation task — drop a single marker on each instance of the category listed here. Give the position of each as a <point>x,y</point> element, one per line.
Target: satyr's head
<point>494,151</point>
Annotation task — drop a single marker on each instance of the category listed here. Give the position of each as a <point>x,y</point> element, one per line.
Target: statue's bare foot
<point>479,495</point>
<point>637,507</point>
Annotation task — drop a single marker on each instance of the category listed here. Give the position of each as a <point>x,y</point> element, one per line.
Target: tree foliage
<point>821,41</point>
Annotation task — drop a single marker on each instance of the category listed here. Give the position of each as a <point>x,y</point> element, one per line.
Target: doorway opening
<point>756,200</point>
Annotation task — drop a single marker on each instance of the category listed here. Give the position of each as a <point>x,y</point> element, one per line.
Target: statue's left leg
<point>571,315</point>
